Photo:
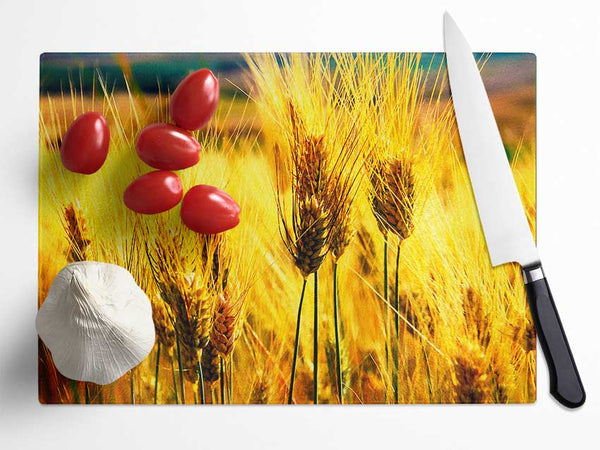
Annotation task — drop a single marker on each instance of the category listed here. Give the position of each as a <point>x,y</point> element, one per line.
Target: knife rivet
<point>532,274</point>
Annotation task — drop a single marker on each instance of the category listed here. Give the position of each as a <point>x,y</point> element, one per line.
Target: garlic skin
<point>96,321</point>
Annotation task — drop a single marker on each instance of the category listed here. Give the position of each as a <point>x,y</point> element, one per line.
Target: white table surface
<point>566,38</point>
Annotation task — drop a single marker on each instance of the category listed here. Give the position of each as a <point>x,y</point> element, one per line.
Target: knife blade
<point>507,234</point>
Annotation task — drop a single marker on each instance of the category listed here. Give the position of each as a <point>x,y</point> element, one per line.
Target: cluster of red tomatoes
<point>205,209</point>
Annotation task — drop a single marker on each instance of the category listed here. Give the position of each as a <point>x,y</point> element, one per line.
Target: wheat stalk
<point>393,204</point>
<point>165,336</point>
<point>393,196</point>
<point>210,363</point>
<point>161,315</point>
<point>185,283</point>
<point>306,241</point>
<point>224,333</point>
<point>225,326</point>
<point>341,233</point>
<point>76,232</point>
<point>306,238</point>
<point>471,377</point>
<point>261,389</point>
<point>323,185</point>
<point>476,316</point>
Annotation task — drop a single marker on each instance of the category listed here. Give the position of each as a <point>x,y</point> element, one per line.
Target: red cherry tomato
<point>195,100</point>
<point>153,192</point>
<point>85,145</point>
<point>208,210</point>
<point>167,147</point>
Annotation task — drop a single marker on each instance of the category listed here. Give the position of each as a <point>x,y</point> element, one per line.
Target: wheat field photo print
<point>358,272</point>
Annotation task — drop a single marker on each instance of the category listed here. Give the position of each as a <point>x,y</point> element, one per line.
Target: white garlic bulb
<point>96,321</point>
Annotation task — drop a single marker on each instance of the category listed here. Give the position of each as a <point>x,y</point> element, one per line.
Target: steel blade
<point>504,223</point>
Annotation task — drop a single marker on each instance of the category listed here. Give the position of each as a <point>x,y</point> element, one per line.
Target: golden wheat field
<point>358,273</point>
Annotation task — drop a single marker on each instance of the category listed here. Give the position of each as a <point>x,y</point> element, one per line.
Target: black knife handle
<point>565,383</point>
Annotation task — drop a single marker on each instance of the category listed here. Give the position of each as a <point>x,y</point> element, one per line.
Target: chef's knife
<point>505,226</point>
